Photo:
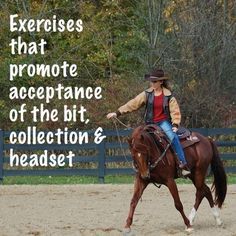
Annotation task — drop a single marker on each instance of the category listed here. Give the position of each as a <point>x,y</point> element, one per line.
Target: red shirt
<point>158,111</point>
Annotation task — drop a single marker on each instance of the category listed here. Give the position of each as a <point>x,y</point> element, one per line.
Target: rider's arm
<point>132,105</point>
<point>174,112</point>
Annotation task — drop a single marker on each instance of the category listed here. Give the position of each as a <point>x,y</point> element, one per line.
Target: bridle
<point>153,165</point>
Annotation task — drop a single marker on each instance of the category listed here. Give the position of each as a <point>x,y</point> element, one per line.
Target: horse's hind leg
<point>214,209</point>
<point>178,204</point>
<point>203,191</point>
<point>198,181</point>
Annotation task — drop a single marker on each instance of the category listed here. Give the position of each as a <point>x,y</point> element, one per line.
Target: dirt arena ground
<point>102,210</point>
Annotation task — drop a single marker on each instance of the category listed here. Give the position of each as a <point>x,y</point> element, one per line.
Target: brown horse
<point>156,162</point>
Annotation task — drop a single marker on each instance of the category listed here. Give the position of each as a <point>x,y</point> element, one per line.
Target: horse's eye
<point>135,164</point>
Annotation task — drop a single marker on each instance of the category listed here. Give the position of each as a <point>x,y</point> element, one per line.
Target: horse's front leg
<point>178,204</point>
<point>139,186</point>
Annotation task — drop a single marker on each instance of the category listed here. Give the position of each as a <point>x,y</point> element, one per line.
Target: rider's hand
<point>175,129</point>
<point>111,115</point>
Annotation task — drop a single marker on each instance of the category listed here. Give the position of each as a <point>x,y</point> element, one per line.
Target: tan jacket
<point>140,100</point>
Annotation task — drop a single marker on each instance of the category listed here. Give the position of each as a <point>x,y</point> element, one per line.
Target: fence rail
<point>103,155</point>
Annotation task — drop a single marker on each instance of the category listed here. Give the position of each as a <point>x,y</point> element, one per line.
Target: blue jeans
<point>174,139</point>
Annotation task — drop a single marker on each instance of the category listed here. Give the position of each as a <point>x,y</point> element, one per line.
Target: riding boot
<point>180,154</point>
<point>184,169</point>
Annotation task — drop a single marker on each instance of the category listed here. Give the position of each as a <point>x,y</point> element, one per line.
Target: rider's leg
<point>167,128</point>
<point>178,149</point>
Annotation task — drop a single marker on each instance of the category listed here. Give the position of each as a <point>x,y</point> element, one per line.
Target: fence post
<point>101,162</point>
<point>1,154</point>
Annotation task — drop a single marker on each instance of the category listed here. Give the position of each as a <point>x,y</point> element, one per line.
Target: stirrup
<point>184,169</point>
<point>186,172</point>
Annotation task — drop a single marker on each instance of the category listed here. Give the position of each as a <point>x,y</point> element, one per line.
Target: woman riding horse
<point>161,109</point>
<point>156,163</point>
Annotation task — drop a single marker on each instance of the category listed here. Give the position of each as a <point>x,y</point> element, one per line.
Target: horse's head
<point>143,150</point>
<point>140,153</point>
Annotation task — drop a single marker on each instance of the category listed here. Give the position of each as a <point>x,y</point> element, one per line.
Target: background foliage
<point>194,41</point>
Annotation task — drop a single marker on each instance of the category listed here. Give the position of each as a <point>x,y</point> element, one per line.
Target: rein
<point>126,126</point>
<point>152,166</point>
<point>118,135</point>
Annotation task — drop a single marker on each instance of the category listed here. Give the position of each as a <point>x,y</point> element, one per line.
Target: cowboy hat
<point>156,74</point>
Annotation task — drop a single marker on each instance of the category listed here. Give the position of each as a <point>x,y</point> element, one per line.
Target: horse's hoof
<point>128,232</point>
<point>191,223</point>
<point>189,230</point>
<point>219,222</point>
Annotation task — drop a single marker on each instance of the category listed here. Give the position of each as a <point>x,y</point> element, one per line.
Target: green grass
<point>116,179</point>
<point>34,180</point>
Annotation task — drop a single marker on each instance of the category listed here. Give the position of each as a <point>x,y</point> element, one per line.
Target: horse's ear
<point>130,141</point>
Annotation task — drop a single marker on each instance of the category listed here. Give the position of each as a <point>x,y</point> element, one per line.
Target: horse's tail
<point>220,180</point>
